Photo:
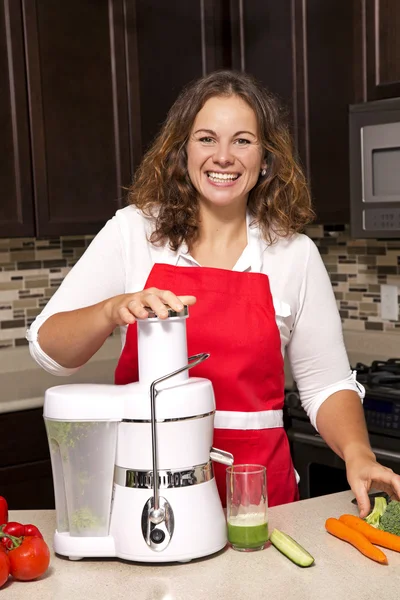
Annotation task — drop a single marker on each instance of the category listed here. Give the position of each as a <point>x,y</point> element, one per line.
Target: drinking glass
<point>247,507</point>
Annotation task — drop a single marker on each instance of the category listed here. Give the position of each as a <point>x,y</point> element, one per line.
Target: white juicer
<point>132,464</point>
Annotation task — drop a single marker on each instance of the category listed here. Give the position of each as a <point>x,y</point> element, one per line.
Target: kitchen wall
<point>30,272</point>
<point>32,269</point>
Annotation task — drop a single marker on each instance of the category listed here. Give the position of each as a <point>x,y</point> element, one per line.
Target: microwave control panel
<point>378,219</point>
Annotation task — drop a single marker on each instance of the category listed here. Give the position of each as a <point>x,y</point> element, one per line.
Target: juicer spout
<point>222,457</point>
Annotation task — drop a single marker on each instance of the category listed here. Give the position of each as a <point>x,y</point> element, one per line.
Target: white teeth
<point>223,176</point>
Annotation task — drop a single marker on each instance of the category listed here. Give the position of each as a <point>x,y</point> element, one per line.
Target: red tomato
<point>4,568</point>
<point>31,530</point>
<point>14,528</point>
<point>30,560</point>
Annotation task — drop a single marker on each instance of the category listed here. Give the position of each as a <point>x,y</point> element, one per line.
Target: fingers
<point>188,300</point>
<point>140,302</point>
<point>125,316</point>
<point>378,477</point>
<point>363,502</point>
<point>136,306</point>
<point>388,482</point>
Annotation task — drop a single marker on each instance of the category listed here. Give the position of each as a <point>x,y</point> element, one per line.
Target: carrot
<point>356,539</point>
<point>376,536</point>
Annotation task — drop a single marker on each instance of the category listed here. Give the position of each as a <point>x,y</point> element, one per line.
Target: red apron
<point>233,320</point>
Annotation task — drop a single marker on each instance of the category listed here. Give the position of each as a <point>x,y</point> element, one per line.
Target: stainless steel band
<point>193,418</point>
<point>166,478</point>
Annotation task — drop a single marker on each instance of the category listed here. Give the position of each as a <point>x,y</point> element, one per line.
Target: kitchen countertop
<point>340,571</point>
<point>23,383</point>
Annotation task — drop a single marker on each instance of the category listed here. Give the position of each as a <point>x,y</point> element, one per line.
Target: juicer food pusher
<point>107,442</point>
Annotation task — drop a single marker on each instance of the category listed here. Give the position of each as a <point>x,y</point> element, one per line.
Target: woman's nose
<point>223,155</point>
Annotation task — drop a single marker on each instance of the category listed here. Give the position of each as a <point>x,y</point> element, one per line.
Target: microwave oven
<point>375,169</point>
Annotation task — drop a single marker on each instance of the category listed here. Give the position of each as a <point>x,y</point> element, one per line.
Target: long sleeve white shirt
<point>120,258</point>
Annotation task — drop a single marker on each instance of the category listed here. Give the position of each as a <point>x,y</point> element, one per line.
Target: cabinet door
<point>262,34</point>
<point>381,40</point>
<point>79,112</point>
<point>292,47</point>
<point>16,204</point>
<point>169,44</point>
<point>327,34</point>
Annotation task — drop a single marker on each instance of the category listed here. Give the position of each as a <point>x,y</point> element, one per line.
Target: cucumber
<point>296,553</point>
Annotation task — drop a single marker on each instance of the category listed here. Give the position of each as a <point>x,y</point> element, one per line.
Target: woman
<point>220,192</point>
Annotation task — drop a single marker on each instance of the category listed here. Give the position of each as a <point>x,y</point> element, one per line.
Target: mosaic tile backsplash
<point>32,269</point>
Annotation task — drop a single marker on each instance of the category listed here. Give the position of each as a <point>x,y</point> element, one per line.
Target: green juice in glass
<point>248,532</point>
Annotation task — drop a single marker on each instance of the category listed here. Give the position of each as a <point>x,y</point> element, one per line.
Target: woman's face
<point>224,152</point>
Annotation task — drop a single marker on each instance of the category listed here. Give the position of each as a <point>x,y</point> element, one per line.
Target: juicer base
<point>76,548</point>
<point>197,519</point>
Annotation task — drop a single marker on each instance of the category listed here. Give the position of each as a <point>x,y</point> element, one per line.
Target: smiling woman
<point>227,118</point>
<point>214,221</point>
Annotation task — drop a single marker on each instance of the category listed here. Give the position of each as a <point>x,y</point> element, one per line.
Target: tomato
<point>14,528</point>
<point>4,568</point>
<point>31,530</point>
<point>29,560</point>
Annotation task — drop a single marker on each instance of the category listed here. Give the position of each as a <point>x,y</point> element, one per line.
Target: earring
<point>263,172</point>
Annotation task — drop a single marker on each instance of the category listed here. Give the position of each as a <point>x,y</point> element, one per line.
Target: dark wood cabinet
<point>327,34</point>
<point>169,45</point>
<point>16,207</point>
<point>303,52</point>
<point>78,112</point>
<point>88,84</point>
<point>88,96</point>
<point>25,472</point>
<point>379,49</point>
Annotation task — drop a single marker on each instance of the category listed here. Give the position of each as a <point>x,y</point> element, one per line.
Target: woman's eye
<point>206,140</point>
<point>242,142</point>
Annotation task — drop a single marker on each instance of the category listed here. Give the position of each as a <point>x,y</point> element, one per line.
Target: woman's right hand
<point>126,308</point>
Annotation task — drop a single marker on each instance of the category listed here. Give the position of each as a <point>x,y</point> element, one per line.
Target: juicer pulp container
<point>82,456</point>
<point>82,432</point>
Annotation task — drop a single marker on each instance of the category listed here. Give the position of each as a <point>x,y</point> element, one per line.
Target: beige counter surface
<point>340,572</point>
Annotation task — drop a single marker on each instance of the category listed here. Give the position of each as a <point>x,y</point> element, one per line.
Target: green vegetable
<point>390,520</point>
<point>84,519</point>
<point>67,434</point>
<point>296,553</point>
<point>374,517</point>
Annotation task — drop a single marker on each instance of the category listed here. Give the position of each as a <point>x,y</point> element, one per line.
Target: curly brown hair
<point>279,202</point>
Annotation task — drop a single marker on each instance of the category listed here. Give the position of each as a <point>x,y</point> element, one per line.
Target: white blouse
<point>120,258</point>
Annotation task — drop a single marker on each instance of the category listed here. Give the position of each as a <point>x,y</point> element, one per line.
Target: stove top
<point>380,377</point>
<point>381,404</point>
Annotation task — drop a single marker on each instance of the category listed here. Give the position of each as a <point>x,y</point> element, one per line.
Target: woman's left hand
<point>364,473</point>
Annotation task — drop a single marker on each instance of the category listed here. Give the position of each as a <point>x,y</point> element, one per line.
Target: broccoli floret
<point>375,516</point>
<point>390,520</point>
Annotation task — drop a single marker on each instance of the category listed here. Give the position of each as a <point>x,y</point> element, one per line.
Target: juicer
<point>133,464</point>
